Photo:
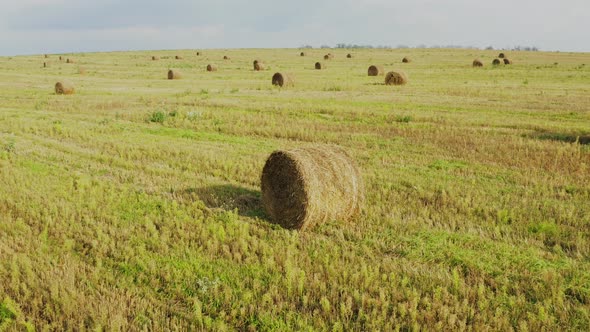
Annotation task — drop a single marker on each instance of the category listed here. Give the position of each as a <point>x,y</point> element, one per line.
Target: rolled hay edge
<point>308,186</point>
<point>211,67</point>
<point>64,88</point>
<point>375,70</point>
<point>174,74</point>
<point>396,78</point>
<point>283,79</point>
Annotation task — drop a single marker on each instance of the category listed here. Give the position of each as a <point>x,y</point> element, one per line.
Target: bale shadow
<point>228,197</point>
<point>561,137</point>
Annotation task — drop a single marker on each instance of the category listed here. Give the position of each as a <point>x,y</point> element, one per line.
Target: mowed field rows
<point>134,204</point>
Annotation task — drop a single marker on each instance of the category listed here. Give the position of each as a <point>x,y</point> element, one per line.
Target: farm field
<point>135,203</point>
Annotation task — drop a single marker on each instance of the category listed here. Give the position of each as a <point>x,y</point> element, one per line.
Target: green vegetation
<point>135,203</point>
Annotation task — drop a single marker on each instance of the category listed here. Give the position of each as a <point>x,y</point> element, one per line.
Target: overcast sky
<point>52,26</point>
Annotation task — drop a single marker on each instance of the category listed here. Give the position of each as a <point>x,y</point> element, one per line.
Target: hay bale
<point>46,56</point>
<point>375,70</point>
<point>302,54</point>
<point>319,65</point>
<point>406,60</point>
<point>198,53</point>
<point>305,187</point>
<point>44,64</point>
<point>258,65</point>
<point>282,79</point>
<point>328,56</point>
<point>477,63</point>
<point>69,60</point>
<point>211,67</point>
<point>174,74</point>
<point>507,61</point>
<point>501,55</point>
<point>64,88</point>
<point>349,56</point>
<point>497,62</point>
<point>60,58</point>
<point>155,58</point>
<point>178,57</point>
<point>225,57</point>
<point>396,78</point>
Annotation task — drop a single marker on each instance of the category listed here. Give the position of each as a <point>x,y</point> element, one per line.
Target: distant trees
<point>489,48</point>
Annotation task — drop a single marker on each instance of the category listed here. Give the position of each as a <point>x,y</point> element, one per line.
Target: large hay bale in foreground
<point>319,65</point>
<point>282,79</point>
<point>174,74</point>
<point>211,67</point>
<point>507,61</point>
<point>375,70</point>
<point>477,63</point>
<point>497,62</point>
<point>305,187</point>
<point>396,78</point>
<point>154,58</point>
<point>406,60</point>
<point>501,55</point>
<point>258,65</point>
<point>64,88</point>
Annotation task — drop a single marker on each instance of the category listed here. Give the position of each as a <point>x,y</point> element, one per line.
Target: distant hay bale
<point>198,53</point>
<point>211,67</point>
<point>174,74</point>
<point>64,88</point>
<point>154,58</point>
<point>328,56</point>
<point>60,58</point>
<point>302,54</point>
<point>258,65</point>
<point>507,61</point>
<point>406,60</point>
<point>225,57</point>
<point>69,60</point>
<point>477,63</point>
<point>304,187</point>
<point>44,64</point>
<point>46,56</point>
<point>497,62</point>
<point>319,65</point>
<point>375,70</point>
<point>349,56</point>
<point>396,78</point>
<point>282,79</point>
<point>501,55</point>
<point>178,57</point>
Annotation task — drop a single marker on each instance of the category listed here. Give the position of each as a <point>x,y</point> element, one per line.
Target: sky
<point>60,26</point>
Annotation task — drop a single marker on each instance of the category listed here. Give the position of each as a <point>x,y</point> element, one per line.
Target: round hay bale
<point>69,60</point>
<point>258,65</point>
<point>319,65</point>
<point>375,70</point>
<point>174,74</point>
<point>477,63</point>
<point>396,78</point>
<point>46,56</point>
<point>282,79</point>
<point>349,56</point>
<point>507,61</point>
<point>225,57</point>
<point>307,186</point>
<point>302,54</point>
<point>328,56</point>
<point>64,88</point>
<point>198,53</point>
<point>501,55</point>
<point>497,62</point>
<point>155,58</point>
<point>406,60</point>
<point>44,64</point>
<point>178,57</point>
<point>211,67</point>
<point>60,58</point>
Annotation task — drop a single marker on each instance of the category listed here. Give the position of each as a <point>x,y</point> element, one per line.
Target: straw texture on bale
<point>211,67</point>
<point>282,79</point>
<point>174,74</point>
<point>178,57</point>
<point>396,78</point>
<point>406,60</point>
<point>375,70</point>
<point>497,62</point>
<point>507,61</point>
<point>258,65</point>
<point>319,65</point>
<point>154,58</point>
<point>477,63</point>
<point>349,55</point>
<point>308,186</point>
<point>64,88</point>
<point>501,55</point>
